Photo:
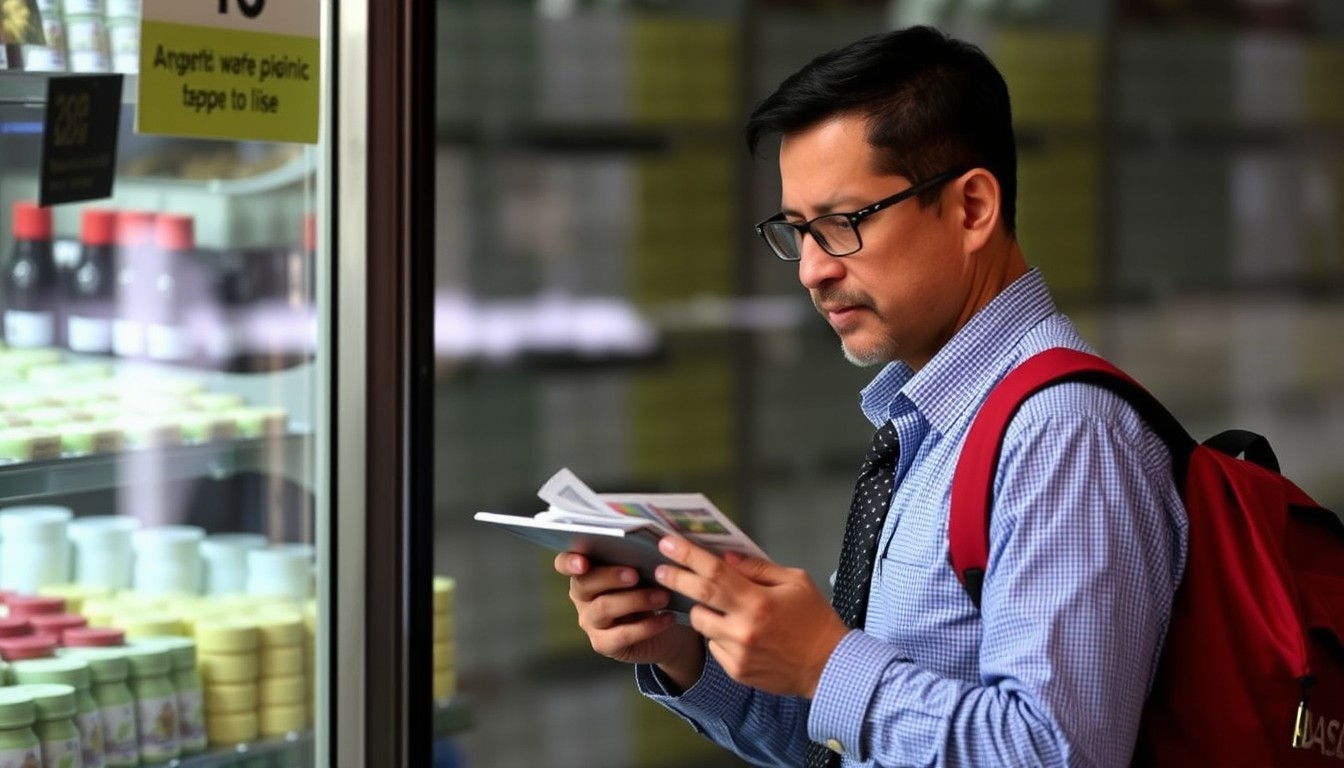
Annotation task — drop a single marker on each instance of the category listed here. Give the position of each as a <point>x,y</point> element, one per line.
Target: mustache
<point>836,297</point>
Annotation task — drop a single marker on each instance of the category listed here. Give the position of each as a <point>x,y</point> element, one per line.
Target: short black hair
<point>933,104</point>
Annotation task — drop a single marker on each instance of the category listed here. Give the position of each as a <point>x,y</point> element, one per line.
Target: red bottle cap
<point>56,623</point>
<point>33,605</point>
<point>15,627</point>
<point>310,232</point>
<point>98,226</point>
<point>30,647</point>
<point>176,232</point>
<point>135,228</point>
<point>31,221</point>
<point>93,637</point>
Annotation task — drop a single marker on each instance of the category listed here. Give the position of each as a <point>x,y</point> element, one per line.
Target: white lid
<point>34,521</point>
<point>111,531</point>
<point>278,563</point>
<point>170,541</point>
<point>230,543</point>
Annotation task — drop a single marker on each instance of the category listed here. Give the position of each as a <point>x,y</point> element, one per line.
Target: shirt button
<point>835,746</point>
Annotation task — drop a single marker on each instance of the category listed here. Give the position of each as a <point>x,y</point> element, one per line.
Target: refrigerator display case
<point>203,463</point>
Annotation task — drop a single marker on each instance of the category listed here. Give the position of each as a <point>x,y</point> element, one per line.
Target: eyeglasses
<point>836,233</point>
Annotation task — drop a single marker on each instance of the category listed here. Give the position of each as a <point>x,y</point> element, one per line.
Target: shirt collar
<point>962,372</point>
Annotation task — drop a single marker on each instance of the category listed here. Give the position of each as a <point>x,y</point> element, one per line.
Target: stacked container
<point>18,742</point>
<point>34,551</point>
<point>86,37</point>
<point>167,559</point>
<point>445,649</point>
<point>282,681</point>
<point>123,33</point>
<point>224,556</point>
<point>102,550</point>
<point>186,681</point>
<point>227,659</point>
<point>156,717</point>
<point>74,672</point>
<point>284,570</point>
<point>108,671</point>
<point>55,724</point>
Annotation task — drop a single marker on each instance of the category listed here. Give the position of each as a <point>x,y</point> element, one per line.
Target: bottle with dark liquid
<point>166,338</point>
<point>135,283</point>
<point>31,308</point>
<point>90,290</point>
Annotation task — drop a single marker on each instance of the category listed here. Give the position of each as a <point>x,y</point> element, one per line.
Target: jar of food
<point>55,724</point>
<point>187,682</point>
<point>108,670</point>
<point>151,684</point>
<point>75,673</point>
<point>19,747</point>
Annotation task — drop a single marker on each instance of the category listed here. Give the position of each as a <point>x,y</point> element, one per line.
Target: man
<point>898,173</point>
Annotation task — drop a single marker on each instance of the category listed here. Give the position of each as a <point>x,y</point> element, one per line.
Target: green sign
<point>230,69</point>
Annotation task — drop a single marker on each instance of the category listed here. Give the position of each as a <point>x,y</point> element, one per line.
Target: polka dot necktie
<point>867,513</point>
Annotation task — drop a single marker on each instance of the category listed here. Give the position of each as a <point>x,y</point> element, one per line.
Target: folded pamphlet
<point>624,528</point>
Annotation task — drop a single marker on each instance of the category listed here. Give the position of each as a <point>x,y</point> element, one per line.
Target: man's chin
<point>864,358</point>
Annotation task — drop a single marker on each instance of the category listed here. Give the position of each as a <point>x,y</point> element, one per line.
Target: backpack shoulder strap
<point>973,480</point>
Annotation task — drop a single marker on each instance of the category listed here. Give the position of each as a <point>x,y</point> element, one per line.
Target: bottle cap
<point>52,700</point>
<point>29,647</point>
<point>33,605</point>
<point>56,623</point>
<point>15,626</point>
<point>93,637</point>
<point>16,708</point>
<point>31,221</point>
<point>135,228</point>
<point>175,232</point>
<point>98,226</point>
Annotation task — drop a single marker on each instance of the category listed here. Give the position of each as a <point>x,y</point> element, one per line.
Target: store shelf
<point>295,750</point>
<point>31,87</point>
<point>289,456</point>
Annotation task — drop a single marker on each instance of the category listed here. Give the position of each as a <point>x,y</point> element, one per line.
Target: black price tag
<point>79,138</point>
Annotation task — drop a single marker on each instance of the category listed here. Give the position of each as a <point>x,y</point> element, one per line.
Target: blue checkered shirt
<point>1087,546</point>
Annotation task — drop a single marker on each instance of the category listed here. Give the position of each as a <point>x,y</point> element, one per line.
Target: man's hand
<point>768,626</point>
<point>626,623</point>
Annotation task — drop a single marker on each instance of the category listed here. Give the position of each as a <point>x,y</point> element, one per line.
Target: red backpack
<point>1252,671</point>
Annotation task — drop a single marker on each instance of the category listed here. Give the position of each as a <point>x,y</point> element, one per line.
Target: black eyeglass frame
<point>853,218</point>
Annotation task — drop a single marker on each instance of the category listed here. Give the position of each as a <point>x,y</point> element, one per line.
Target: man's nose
<point>817,267</point>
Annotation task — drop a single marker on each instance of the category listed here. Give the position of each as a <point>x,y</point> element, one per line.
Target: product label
<point>123,9</point>
<point>89,334</point>
<point>128,338</point>
<point>21,758</point>
<point>156,718</point>
<point>75,7</point>
<point>90,61</point>
<point>61,753</point>
<point>121,744</point>
<point>166,342</point>
<point>191,719</point>
<point>29,329</point>
<point>90,738</point>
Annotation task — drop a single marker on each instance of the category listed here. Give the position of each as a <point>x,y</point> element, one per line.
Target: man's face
<point>899,297</point>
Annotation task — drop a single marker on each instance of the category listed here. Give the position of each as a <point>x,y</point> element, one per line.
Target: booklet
<point>624,528</point>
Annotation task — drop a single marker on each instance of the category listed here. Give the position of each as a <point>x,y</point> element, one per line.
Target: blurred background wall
<point>605,305</point>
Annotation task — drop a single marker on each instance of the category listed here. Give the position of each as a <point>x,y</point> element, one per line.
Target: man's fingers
<point>596,581</point>
<point>703,576</point>
<point>616,608</point>
<point>571,564</point>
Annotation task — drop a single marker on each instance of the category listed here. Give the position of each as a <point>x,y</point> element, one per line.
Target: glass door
<point>165,435</point>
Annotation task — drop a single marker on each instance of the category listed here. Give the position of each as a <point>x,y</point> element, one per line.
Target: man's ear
<point>979,208</point>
